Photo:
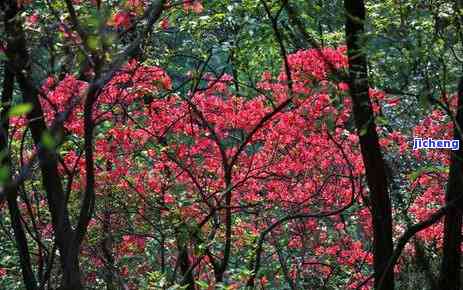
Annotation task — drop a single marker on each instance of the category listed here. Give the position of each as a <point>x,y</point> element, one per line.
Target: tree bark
<point>48,161</point>
<point>184,261</point>
<point>11,194</point>
<point>372,157</point>
<point>449,277</point>
<point>107,242</point>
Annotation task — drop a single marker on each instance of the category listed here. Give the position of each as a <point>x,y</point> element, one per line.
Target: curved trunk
<point>449,277</point>
<point>185,265</point>
<point>29,280</point>
<point>19,57</point>
<point>71,279</point>
<point>372,157</point>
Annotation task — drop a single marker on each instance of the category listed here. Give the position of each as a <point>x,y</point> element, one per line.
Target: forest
<point>231,144</point>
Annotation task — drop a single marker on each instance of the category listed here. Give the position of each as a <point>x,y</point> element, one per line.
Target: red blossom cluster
<point>175,156</point>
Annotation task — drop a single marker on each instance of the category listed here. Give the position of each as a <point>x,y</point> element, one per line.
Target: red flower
<point>33,19</point>
<point>125,271</point>
<point>193,5</point>
<point>164,23</point>
<point>122,19</point>
<point>343,86</point>
<point>393,102</point>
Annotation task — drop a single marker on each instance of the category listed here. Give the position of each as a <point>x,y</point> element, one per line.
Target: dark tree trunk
<point>449,277</point>
<point>21,243</point>
<point>71,279</point>
<point>107,247</point>
<point>51,179</point>
<point>107,242</point>
<point>11,194</point>
<point>424,264</point>
<point>372,158</point>
<point>184,262</point>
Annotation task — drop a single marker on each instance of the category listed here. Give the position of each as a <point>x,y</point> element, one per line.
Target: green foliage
<point>19,110</point>
<point>48,141</point>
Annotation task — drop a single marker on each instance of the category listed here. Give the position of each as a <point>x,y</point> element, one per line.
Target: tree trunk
<point>107,242</point>
<point>372,158</point>
<point>11,194</point>
<point>18,55</point>
<point>184,261</point>
<point>449,277</point>
<point>71,279</point>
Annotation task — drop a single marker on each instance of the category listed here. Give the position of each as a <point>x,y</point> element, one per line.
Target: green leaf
<point>414,175</point>
<point>330,123</point>
<point>4,174</point>
<point>3,56</point>
<point>380,120</point>
<point>202,284</point>
<point>427,169</point>
<point>109,38</point>
<point>20,109</point>
<point>94,42</point>
<point>363,131</point>
<point>252,149</point>
<point>48,141</point>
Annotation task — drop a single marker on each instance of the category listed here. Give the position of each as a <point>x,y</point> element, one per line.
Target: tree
<point>375,167</point>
